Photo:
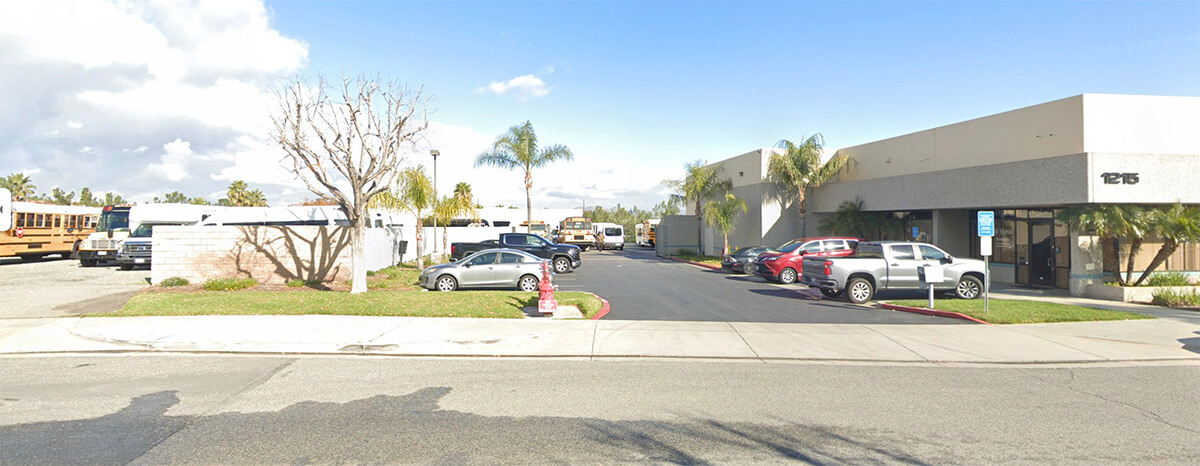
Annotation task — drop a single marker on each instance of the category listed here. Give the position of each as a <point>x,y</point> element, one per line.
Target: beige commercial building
<point>1023,164</point>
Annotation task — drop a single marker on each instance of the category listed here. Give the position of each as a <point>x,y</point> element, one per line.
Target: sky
<point>147,97</point>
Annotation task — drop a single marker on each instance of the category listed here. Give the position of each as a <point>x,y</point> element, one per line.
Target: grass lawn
<point>497,304</point>
<point>1015,311</point>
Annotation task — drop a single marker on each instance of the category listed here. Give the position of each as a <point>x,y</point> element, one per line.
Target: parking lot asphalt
<point>642,286</point>
<point>61,287</point>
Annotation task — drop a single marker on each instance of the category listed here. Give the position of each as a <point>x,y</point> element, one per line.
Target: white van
<point>613,236</point>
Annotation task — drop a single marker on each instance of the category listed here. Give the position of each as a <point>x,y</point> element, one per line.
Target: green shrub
<point>370,273</point>
<point>229,284</point>
<point>1168,279</point>
<point>174,281</point>
<point>1175,298</point>
<point>295,283</point>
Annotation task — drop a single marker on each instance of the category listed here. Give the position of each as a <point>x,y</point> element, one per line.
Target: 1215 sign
<point>1119,178</point>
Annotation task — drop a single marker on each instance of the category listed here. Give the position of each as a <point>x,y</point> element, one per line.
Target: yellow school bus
<point>646,232</point>
<point>577,231</point>
<point>539,228</point>
<point>32,230</point>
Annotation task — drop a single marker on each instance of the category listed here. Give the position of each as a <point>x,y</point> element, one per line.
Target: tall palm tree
<point>21,187</point>
<point>412,193</point>
<point>518,148</point>
<point>1174,225</point>
<point>722,215</point>
<point>799,169</point>
<point>237,193</point>
<point>702,182</point>
<point>1109,222</point>
<point>256,198</point>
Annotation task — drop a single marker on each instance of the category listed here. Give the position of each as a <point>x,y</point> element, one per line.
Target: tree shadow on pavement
<point>414,429</point>
<point>1191,344</point>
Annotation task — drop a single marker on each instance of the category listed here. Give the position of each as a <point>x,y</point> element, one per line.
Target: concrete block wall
<point>270,255</point>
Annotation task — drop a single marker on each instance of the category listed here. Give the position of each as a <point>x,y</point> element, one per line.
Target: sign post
<point>987,229</point>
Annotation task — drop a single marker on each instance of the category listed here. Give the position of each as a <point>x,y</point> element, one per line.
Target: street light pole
<point>435,155</point>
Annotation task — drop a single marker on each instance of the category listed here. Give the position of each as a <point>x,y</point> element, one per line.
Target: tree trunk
<point>1112,256</point>
<point>803,215</point>
<point>726,250</point>
<point>699,230</point>
<point>1169,246</point>
<point>420,240</point>
<point>528,202</point>
<point>445,239</point>
<point>1135,246</point>
<point>358,256</point>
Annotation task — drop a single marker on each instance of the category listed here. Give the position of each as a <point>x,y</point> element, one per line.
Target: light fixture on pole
<point>435,155</point>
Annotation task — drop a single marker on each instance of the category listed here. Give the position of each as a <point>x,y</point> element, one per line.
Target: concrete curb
<point>710,267</point>
<point>933,312</point>
<point>604,308</point>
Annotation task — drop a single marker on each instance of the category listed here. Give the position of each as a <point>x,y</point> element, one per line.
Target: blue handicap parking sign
<point>987,223</point>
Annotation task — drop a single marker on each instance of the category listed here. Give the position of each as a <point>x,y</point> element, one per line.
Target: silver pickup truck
<point>888,265</point>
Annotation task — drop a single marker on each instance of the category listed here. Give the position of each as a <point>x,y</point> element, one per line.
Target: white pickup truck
<point>888,265</point>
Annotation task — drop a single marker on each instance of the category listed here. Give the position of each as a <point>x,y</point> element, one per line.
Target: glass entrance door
<point>1041,252</point>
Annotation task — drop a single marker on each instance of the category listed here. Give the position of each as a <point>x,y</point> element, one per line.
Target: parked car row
<point>858,269</point>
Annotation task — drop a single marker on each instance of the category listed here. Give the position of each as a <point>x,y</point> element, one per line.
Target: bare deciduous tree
<point>348,143</point>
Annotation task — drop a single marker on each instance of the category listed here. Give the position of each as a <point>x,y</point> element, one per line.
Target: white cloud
<point>523,87</point>
<point>175,161</point>
<point>190,77</point>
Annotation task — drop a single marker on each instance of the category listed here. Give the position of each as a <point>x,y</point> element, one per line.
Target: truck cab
<point>111,230</point>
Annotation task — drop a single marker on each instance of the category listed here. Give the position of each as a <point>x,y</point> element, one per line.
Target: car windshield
<point>745,251</point>
<point>791,246</point>
<point>612,232</point>
<point>142,231</point>
<point>577,226</point>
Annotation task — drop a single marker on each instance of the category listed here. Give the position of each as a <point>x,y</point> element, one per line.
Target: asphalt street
<point>61,287</point>
<point>642,286</point>
<point>159,409</point>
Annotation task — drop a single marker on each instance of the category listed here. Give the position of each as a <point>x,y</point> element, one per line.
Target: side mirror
<point>947,260</point>
<point>110,232</point>
<point>453,259</point>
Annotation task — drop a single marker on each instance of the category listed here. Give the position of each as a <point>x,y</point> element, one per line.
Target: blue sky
<point>636,89</point>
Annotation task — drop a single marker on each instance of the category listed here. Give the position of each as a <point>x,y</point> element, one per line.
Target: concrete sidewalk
<point>1138,340</point>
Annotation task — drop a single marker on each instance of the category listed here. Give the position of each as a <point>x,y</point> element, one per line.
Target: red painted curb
<point>710,267</point>
<point>932,312</point>
<point>604,308</point>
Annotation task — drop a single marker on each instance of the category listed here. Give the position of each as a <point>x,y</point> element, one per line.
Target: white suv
<point>609,236</point>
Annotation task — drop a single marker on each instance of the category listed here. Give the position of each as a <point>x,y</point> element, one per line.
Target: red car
<point>785,266</point>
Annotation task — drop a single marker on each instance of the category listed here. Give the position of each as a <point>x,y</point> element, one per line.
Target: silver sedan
<point>490,268</point>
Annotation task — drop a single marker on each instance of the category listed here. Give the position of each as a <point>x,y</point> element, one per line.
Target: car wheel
<point>828,293</point>
<point>859,290</point>
<point>968,287</point>
<point>126,266</point>
<point>87,262</point>
<point>562,265</point>
<point>528,283</point>
<point>748,269</point>
<point>787,276</point>
<point>446,283</point>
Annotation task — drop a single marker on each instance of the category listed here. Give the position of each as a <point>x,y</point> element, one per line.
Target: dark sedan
<point>742,260</point>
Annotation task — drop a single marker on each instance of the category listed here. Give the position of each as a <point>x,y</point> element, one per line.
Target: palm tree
<point>462,192</point>
<point>701,183</point>
<point>446,210</point>
<point>412,193</point>
<point>237,193</point>
<point>256,198</point>
<point>799,169</point>
<point>1109,222</point>
<point>518,148</point>
<point>721,215</point>
<point>1175,224</point>
<point>850,219</point>
<point>21,187</point>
